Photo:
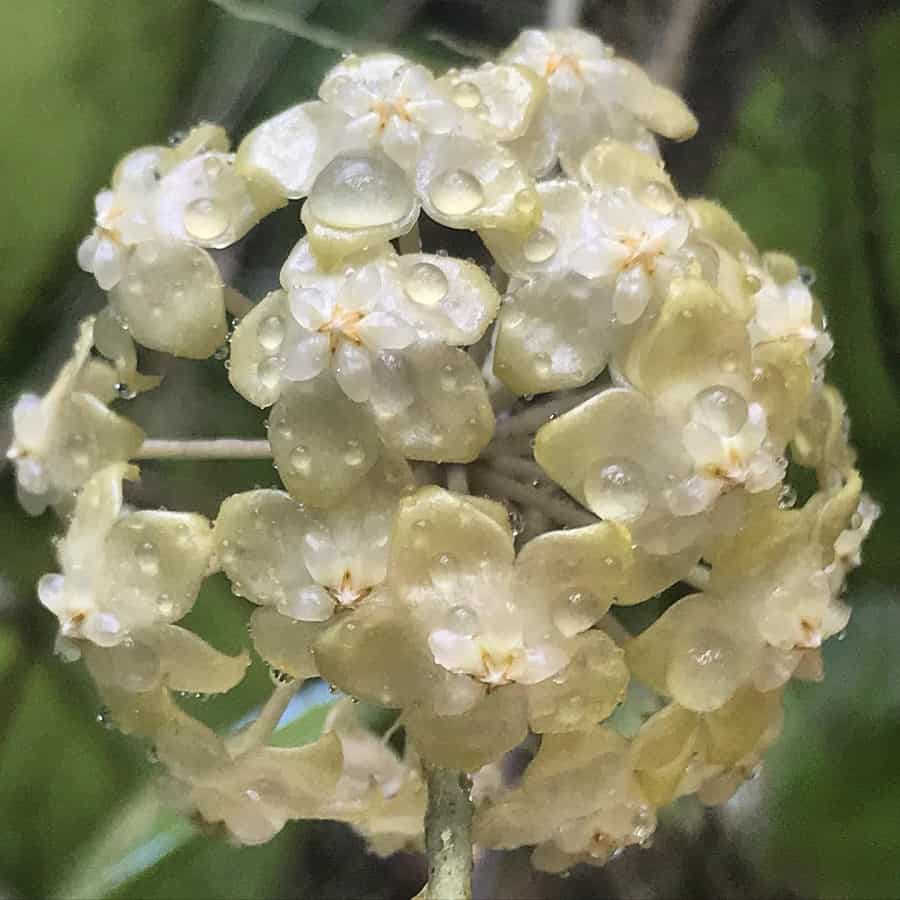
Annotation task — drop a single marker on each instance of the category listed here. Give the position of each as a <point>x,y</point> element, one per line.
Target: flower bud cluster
<point>679,369</point>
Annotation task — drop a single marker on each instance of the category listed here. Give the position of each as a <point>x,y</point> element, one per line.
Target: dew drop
<point>269,371</point>
<point>526,201</point>
<point>787,498</point>
<point>300,461</point>
<point>361,192</point>
<point>449,381</point>
<point>270,332</point>
<point>542,364</point>
<point>212,167</point>
<point>540,247</point>
<point>456,192</point>
<point>752,283</point>
<point>721,409</point>
<point>147,558</point>
<point>616,489</point>
<point>576,611</point>
<point>466,95</point>
<point>426,284</point>
<point>354,455</point>
<point>205,219</point>
<point>462,620</point>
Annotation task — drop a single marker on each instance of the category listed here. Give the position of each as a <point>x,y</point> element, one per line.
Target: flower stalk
<point>448,835</point>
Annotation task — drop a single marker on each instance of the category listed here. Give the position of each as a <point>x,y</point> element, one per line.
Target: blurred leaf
<point>813,169</point>
<point>58,769</point>
<point>209,867</point>
<point>834,776</point>
<point>82,82</point>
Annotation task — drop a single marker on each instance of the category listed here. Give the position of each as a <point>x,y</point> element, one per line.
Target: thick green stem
<point>448,835</point>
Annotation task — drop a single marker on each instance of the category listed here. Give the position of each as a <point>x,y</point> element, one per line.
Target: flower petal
<point>553,334</point>
<point>323,442</point>
<point>434,406</point>
<point>171,298</point>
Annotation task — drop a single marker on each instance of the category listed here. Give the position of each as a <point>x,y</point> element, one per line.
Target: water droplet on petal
<point>269,371</point>
<point>270,332</point>
<point>526,201</point>
<point>616,489</point>
<point>426,284</point>
<point>456,192</point>
<point>355,455</point>
<point>466,95</point>
<point>300,461</point>
<point>462,620</point>
<point>147,558</point>
<point>361,192</point>
<point>205,219</point>
<point>540,247</point>
<point>576,611</point>
<point>721,409</point>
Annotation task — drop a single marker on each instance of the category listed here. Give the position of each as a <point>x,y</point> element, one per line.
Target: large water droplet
<point>205,219</point>
<point>719,408</point>
<point>456,192</point>
<point>270,332</point>
<point>616,489</point>
<point>576,611</point>
<point>361,192</point>
<point>466,95</point>
<point>526,201</point>
<point>426,284</point>
<point>540,246</point>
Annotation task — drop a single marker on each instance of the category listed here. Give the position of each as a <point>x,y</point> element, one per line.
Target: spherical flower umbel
<point>484,461</point>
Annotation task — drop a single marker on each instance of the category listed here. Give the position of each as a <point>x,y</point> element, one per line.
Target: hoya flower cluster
<point>481,460</point>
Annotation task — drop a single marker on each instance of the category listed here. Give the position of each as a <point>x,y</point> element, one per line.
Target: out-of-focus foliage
<point>82,82</point>
<point>814,168</point>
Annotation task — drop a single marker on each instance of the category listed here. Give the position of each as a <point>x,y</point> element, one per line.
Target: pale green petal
<point>554,334</point>
<point>475,738</point>
<point>697,341</point>
<point>171,299</point>
<point>718,224</point>
<point>433,524</point>
<point>290,149</point>
<point>154,563</point>
<point>190,664</point>
<point>505,97</point>
<point>259,538</point>
<point>449,417</point>
<point>257,350</point>
<point>585,692</point>
<point>443,298</point>
<point>378,654</point>
<point>84,437</point>
<point>285,644</point>
<point>581,570</point>
<point>323,442</point>
<point>464,183</point>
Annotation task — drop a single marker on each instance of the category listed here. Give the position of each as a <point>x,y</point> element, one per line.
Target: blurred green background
<point>799,104</point>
